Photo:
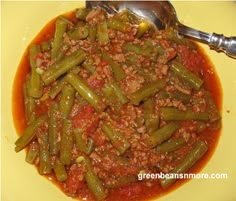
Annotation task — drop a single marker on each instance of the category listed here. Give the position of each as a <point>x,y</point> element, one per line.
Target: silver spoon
<point>163,15</point>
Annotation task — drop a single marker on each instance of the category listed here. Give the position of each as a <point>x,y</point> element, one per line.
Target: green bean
<point>81,13</point>
<point>109,94</point>
<point>148,43</point>
<point>45,46</point>
<point>138,49</point>
<point>90,145</point>
<point>146,91</point>
<point>65,19</point>
<point>86,162</point>
<point>117,24</point>
<point>85,91</point>
<point>75,70</point>
<point>67,100</point>
<point>111,97</point>
<point>172,35</point>
<point>79,100</point>
<point>116,137</point>
<point>34,50</point>
<point>185,98</point>
<point>162,134</point>
<point>128,16</point>
<point>119,93</point>
<point>81,32</point>
<point>60,55</point>
<point>32,153</point>
<point>44,97</point>
<point>212,110</point>
<point>176,80</point>
<point>143,27</point>
<point>53,130</point>
<point>35,89</point>
<point>79,159</point>
<point>92,33</point>
<point>94,183</point>
<point>57,88</point>
<point>170,145</point>
<point>122,159</point>
<point>61,67</point>
<point>150,117</point>
<point>132,59</point>
<point>88,64</point>
<point>160,50</point>
<point>79,141</point>
<point>60,29</point>
<point>147,75</point>
<point>193,80</point>
<point>44,157</point>
<point>102,33</point>
<point>66,142</point>
<point>29,133</point>
<point>29,103</point>
<point>177,95</point>
<point>170,113</point>
<point>198,151</point>
<point>60,171</point>
<point>163,94</point>
<point>116,68</point>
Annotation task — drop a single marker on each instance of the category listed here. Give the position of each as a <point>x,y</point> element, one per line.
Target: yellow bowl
<point>21,21</point>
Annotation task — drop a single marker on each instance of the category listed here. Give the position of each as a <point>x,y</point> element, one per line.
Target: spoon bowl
<point>163,15</point>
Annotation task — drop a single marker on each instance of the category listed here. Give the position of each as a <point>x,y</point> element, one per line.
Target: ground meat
<point>44,61</point>
<point>169,54</point>
<point>182,90</point>
<point>170,103</point>
<point>119,57</point>
<point>95,16</point>
<point>132,82</point>
<point>188,131</point>
<point>75,179</point>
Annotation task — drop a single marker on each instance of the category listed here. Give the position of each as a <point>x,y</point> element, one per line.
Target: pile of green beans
<point>83,82</point>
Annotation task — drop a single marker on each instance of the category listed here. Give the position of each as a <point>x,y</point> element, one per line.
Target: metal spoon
<point>163,15</point>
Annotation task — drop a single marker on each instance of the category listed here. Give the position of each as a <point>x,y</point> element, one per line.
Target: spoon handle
<point>222,43</point>
<point>217,42</point>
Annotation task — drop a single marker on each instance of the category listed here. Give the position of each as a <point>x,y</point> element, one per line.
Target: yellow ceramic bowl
<point>21,21</point>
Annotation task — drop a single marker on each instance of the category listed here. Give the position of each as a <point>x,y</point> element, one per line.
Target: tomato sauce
<point>211,81</point>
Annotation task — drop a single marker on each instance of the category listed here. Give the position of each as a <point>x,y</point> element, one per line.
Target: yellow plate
<point>21,21</point>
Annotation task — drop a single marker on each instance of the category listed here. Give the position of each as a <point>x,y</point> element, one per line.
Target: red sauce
<point>211,81</point>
